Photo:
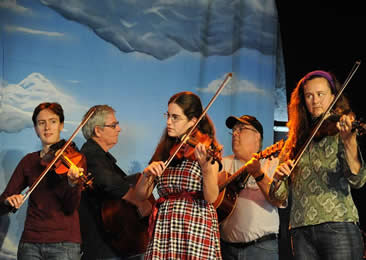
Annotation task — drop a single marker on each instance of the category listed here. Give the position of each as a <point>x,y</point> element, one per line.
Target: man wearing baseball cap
<point>251,230</point>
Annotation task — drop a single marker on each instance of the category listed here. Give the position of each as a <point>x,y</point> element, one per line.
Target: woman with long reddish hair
<point>323,217</point>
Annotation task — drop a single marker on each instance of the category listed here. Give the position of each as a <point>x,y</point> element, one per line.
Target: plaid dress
<point>186,226</point>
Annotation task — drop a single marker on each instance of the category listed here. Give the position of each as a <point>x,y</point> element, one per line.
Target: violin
<point>329,128</point>
<point>177,149</point>
<point>70,157</point>
<point>189,144</point>
<point>56,158</point>
<point>321,120</point>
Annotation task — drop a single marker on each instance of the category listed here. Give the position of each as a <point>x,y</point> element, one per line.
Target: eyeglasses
<point>114,125</point>
<point>240,129</point>
<point>173,117</point>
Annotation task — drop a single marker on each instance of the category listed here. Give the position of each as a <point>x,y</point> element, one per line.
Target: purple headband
<point>323,74</point>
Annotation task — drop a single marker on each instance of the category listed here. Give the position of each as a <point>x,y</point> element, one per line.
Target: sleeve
<point>108,179</point>
<point>356,181</point>
<point>16,185</point>
<point>279,191</point>
<point>70,196</point>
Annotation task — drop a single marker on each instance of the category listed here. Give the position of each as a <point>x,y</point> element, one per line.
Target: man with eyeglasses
<point>251,230</point>
<point>109,183</point>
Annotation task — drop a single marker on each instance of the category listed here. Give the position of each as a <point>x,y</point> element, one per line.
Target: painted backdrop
<point>132,55</point>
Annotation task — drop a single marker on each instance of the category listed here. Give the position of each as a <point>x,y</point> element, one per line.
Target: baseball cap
<point>245,119</point>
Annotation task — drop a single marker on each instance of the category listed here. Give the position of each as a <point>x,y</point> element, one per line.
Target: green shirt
<point>321,185</point>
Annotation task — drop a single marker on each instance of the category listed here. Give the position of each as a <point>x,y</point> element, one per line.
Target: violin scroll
<point>360,125</point>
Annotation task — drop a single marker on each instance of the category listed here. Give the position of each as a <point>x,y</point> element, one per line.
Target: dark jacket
<point>110,182</point>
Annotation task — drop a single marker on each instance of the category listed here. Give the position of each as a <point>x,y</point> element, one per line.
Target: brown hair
<point>192,107</point>
<point>300,122</point>
<point>54,107</point>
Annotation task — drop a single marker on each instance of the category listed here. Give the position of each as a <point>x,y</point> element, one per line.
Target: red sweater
<point>52,214</point>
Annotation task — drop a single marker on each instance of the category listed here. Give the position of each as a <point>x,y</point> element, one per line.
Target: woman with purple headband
<point>323,217</point>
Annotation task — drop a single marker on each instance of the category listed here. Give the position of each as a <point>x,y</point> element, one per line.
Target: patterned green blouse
<point>321,185</point>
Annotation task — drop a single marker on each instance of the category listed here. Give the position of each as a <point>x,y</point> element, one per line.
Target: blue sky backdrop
<point>133,56</point>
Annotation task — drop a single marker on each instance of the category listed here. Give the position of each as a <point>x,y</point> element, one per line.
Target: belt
<point>186,194</point>
<point>255,241</point>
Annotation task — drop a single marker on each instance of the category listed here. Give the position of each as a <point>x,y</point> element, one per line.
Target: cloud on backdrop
<point>193,25</point>
<point>19,100</point>
<point>234,87</point>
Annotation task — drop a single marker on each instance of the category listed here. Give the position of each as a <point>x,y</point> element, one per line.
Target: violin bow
<point>319,123</point>
<point>49,166</point>
<point>186,137</point>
